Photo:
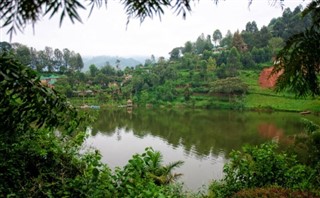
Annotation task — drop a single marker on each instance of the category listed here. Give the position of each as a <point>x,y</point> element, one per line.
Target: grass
<point>262,98</point>
<point>281,103</point>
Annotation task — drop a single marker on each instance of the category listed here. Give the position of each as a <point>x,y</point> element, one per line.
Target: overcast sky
<point>106,33</point>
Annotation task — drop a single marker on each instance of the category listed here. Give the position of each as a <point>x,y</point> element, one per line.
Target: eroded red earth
<point>267,81</point>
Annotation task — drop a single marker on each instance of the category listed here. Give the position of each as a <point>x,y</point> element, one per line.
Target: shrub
<point>260,166</point>
<point>145,176</point>
<point>274,192</point>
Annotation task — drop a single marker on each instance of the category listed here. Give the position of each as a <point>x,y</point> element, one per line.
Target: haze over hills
<point>101,61</point>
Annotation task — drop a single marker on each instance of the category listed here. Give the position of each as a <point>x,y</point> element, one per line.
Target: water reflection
<point>202,139</point>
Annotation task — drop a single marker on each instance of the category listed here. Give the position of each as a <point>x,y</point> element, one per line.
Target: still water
<point>201,138</point>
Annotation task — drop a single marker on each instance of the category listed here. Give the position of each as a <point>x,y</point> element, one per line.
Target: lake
<point>201,138</point>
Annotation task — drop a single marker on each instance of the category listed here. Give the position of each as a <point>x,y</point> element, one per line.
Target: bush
<point>274,192</point>
<point>145,176</point>
<point>261,166</point>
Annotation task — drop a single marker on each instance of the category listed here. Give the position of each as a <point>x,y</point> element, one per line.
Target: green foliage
<point>27,101</point>
<point>262,166</point>
<point>145,176</point>
<point>39,148</point>
<point>273,192</point>
<point>48,60</point>
<point>229,86</point>
<point>238,42</point>
<point>300,54</point>
<point>162,82</point>
<point>276,44</point>
<point>299,61</point>
<point>216,37</point>
<point>307,145</point>
<point>310,126</point>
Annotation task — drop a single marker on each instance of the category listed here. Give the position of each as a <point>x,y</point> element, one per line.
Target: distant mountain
<point>101,61</point>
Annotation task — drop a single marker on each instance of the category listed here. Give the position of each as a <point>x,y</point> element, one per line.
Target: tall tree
<point>238,42</point>
<point>175,53</point>
<point>227,40</point>
<point>58,59</point>
<point>200,44</point>
<point>299,60</point>
<point>75,62</point>
<point>66,57</point>
<point>263,37</point>
<point>48,51</point>
<point>216,37</point>
<point>252,27</point>
<point>79,61</point>
<point>249,39</point>
<point>5,47</point>
<point>233,60</point>
<point>275,44</point>
<point>93,70</point>
<point>41,61</point>
<point>188,47</point>
<point>34,57</point>
<point>23,54</point>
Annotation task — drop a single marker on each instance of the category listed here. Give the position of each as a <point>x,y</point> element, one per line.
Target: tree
<point>249,39</point>
<point>93,70</point>
<point>175,53</point>
<point>79,62</point>
<point>227,40</point>
<point>216,37</point>
<point>262,37</point>
<point>23,54</point>
<point>41,61</point>
<point>237,41</point>
<point>188,61</point>
<point>252,27</point>
<point>211,64</point>
<point>233,60</point>
<point>278,29</point>
<point>203,43</point>
<point>203,69</point>
<point>75,62</point>
<point>257,55</point>
<point>48,58</point>
<point>33,56</point>
<point>299,60</point>
<point>5,47</point>
<point>290,23</point>
<point>117,64</point>
<point>230,86</point>
<point>249,34</point>
<point>66,57</point>
<point>275,44</point>
<point>188,47</point>
<point>30,113</point>
<point>58,59</point>
<point>247,61</point>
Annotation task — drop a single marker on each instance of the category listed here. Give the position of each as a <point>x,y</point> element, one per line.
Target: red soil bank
<point>267,81</point>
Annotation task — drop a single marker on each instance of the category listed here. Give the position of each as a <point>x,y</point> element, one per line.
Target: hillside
<point>100,61</point>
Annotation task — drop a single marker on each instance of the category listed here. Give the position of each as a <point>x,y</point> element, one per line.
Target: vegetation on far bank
<point>214,71</point>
